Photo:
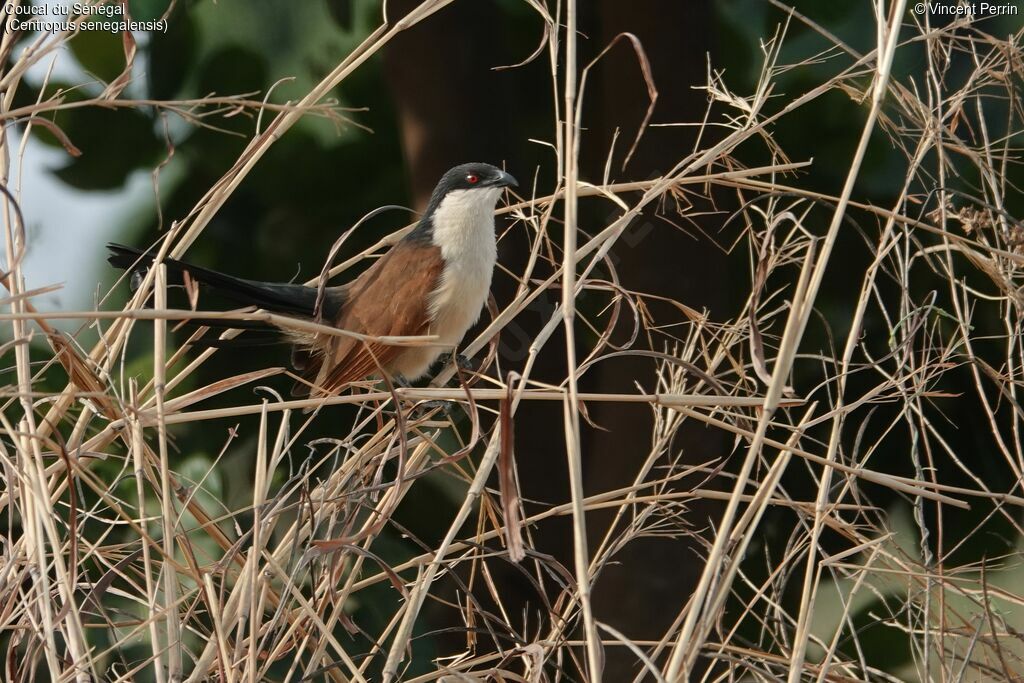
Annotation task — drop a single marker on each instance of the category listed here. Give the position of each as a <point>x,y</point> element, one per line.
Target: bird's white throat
<point>463,228</point>
<point>464,225</point>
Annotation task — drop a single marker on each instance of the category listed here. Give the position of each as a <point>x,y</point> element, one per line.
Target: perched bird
<point>434,281</point>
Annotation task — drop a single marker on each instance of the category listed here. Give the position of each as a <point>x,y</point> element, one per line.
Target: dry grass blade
<point>510,504</point>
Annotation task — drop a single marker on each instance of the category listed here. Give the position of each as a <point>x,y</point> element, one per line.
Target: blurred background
<point>444,93</point>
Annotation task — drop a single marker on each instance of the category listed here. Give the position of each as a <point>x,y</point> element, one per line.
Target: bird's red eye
<point>472,179</point>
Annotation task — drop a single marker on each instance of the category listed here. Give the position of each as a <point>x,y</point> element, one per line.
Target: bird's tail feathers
<point>286,298</point>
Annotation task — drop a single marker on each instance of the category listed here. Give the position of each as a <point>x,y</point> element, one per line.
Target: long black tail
<point>286,298</point>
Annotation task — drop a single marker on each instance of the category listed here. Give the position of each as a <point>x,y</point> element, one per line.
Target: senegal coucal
<point>434,281</point>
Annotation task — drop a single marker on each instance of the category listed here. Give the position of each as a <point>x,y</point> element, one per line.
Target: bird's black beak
<point>505,180</point>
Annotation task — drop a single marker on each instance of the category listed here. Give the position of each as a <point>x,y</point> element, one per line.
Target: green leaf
<point>101,53</point>
<point>113,142</point>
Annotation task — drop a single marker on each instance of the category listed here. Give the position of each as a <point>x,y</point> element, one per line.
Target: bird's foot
<point>421,409</point>
<point>400,381</point>
<point>459,363</point>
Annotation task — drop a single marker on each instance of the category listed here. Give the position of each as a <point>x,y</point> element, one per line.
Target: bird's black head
<point>479,183</point>
<point>470,176</point>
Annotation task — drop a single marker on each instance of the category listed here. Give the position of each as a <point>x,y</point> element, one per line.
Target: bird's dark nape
<point>288,299</point>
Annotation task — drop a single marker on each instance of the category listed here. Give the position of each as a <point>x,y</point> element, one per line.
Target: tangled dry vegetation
<point>110,572</point>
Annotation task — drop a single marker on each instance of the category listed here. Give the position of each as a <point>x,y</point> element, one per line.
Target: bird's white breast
<point>464,231</point>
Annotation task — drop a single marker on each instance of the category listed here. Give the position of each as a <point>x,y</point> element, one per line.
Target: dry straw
<point>203,595</point>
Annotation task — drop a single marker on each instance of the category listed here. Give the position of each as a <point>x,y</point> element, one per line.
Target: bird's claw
<point>421,409</point>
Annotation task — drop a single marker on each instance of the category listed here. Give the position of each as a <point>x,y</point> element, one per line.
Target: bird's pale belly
<point>456,306</point>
